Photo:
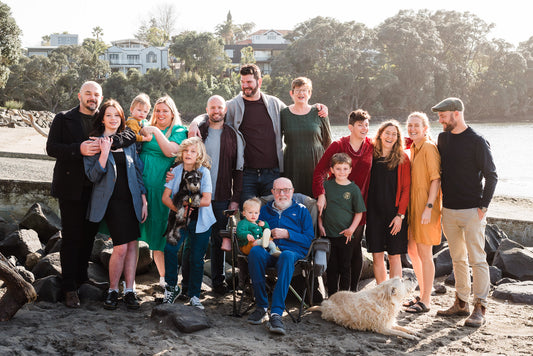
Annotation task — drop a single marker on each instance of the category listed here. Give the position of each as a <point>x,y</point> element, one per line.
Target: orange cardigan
<point>404,184</point>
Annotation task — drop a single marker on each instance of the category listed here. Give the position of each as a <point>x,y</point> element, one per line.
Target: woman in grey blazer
<point>119,197</point>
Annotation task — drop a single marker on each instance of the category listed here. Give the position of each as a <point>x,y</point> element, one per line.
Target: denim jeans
<point>217,255</point>
<point>171,261</point>
<point>258,261</point>
<point>258,182</point>
<point>193,259</point>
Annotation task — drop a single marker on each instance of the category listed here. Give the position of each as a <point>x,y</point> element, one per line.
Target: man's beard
<point>283,204</point>
<point>252,93</point>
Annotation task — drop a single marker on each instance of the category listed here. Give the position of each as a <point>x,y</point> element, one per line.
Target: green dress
<point>306,137</point>
<point>156,165</point>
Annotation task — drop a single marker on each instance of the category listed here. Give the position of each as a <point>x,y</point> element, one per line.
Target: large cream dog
<point>372,309</point>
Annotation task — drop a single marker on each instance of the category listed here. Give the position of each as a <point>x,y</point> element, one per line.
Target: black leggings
<point>357,258</point>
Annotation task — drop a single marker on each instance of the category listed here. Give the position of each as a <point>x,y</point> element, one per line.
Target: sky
<point>121,19</point>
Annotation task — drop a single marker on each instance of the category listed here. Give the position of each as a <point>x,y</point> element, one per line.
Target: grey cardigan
<point>104,182</point>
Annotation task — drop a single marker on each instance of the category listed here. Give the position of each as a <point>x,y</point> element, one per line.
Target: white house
<point>266,45</point>
<point>133,53</point>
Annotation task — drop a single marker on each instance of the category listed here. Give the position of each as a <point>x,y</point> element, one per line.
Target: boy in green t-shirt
<point>340,218</point>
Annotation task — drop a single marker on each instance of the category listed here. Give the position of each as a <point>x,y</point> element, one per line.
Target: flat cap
<point>449,104</point>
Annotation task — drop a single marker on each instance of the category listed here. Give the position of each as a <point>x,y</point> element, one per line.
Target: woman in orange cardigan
<point>388,197</point>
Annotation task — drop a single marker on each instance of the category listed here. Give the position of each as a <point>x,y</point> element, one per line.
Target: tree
<point>9,42</point>
<point>337,57</point>
<point>231,32</point>
<point>247,55</point>
<point>199,52</point>
<point>160,26</point>
<point>96,46</point>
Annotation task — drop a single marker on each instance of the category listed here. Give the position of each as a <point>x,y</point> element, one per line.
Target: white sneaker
<point>195,302</point>
<point>266,238</point>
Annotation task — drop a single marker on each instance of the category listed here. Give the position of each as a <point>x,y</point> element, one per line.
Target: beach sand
<point>51,328</point>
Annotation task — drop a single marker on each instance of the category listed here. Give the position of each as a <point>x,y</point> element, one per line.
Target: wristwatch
<point>483,209</point>
<point>430,205</point>
<point>401,216</point>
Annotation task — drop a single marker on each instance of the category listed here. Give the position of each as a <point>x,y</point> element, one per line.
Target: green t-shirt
<point>342,203</point>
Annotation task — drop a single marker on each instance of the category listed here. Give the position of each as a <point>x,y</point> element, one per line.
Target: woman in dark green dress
<point>306,137</point>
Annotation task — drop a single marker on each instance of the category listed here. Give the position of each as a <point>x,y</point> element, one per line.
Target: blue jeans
<point>217,255</point>
<point>193,259</point>
<point>258,261</point>
<point>171,261</point>
<point>258,182</point>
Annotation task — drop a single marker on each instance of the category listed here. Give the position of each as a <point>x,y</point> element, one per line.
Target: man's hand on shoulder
<point>322,110</point>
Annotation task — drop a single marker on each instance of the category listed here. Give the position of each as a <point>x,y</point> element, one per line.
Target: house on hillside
<point>133,53</point>
<point>56,40</point>
<point>266,45</point>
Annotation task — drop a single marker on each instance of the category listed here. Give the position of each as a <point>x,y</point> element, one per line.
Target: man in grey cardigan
<point>256,117</point>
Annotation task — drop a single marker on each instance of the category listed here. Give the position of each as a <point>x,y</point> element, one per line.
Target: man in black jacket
<point>68,141</point>
<point>466,160</point>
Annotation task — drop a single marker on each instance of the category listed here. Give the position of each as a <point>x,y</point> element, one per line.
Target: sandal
<point>411,302</point>
<point>418,307</point>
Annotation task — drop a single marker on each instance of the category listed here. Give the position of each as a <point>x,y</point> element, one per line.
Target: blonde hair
<point>301,82</point>
<point>396,156</point>
<point>176,120</point>
<point>203,158</point>
<point>141,99</point>
<point>252,201</point>
<point>425,122</point>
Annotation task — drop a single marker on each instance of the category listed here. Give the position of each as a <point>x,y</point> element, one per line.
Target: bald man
<point>68,141</point>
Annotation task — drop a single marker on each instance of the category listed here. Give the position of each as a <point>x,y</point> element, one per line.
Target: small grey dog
<point>188,196</point>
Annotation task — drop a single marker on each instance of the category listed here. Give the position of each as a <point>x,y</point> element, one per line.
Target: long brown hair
<point>98,126</point>
<point>396,156</point>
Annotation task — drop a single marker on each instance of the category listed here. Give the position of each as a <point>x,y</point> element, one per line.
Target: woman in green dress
<point>306,136</point>
<point>158,155</point>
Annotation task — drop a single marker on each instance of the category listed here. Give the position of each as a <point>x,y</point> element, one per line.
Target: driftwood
<point>31,121</point>
<point>19,292</point>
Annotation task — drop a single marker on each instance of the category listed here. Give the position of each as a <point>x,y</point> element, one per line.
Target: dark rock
<point>27,275</point>
<point>43,220</point>
<point>97,272</point>
<point>19,243</point>
<point>101,242</point>
<point>409,273</point>
<point>186,319</point>
<point>443,244</point>
<point>406,261</point>
<point>514,260</point>
<point>443,262</point>
<point>493,238</point>
<point>450,280</point>
<point>49,265</point>
<point>89,292</point>
<point>521,292</point>
<point>145,258</point>
<point>6,228</point>
<point>368,265</point>
<point>506,280</point>
<point>439,288</point>
<point>105,256</point>
<point>495,274</point>
<point>48,289</point>
<point>53,244</point>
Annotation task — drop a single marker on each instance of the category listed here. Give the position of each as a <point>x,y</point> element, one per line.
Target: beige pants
<point>466,239</point>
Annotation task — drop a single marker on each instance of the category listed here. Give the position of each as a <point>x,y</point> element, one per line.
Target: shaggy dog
<point>372,309</point>
<point>188,196</point>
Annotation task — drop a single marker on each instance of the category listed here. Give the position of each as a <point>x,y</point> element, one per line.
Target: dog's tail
<point>313,308</point>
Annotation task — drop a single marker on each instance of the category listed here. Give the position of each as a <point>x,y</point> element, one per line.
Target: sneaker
<point>195,302</point>
<point>275,325</point>
<point>171,294</point>
<point>111,301</point>
<point>131,301</point>
<point>258,316</point>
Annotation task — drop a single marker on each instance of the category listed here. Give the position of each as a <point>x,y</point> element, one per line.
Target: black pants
<point>77,241</point>
<point>339,264</point>
<point>357,258</point>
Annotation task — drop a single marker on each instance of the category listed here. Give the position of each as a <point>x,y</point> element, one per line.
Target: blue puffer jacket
<point>297,220</point>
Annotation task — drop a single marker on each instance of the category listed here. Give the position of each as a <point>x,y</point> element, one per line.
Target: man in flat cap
<point>466,159</point>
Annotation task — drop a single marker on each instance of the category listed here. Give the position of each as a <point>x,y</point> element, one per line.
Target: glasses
<point>282,190</point>
<point>301,91</point>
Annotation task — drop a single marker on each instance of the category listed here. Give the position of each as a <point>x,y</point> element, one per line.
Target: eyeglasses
<point>300,91</point>
<point>282,190</point>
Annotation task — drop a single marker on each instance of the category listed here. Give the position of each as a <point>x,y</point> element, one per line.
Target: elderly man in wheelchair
<point>292,230</point>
